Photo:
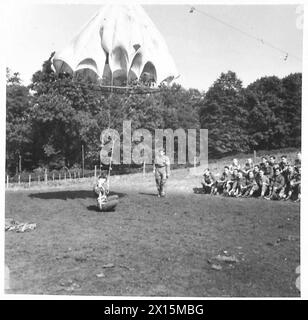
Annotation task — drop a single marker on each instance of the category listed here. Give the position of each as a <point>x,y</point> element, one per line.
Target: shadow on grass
<point>148,194</point>
<point>65,195</point>
<point>94,208</point>
<point>198,190</point>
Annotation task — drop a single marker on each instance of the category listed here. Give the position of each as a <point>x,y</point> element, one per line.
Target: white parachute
<point>120,44</point>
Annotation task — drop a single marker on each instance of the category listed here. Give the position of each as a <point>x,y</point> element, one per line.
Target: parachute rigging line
<point>267,43</point>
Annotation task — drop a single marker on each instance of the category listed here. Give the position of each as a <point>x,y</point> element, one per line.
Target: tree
<point>223,113</point>
<point>18,124</point>
<point>274,107</point>
<point>292,104</point>
<point>62,114</point>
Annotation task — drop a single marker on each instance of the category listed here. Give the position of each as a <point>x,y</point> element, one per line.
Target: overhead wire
<point>244,32</point>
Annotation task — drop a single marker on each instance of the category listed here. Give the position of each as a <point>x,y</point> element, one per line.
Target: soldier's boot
<point>162,188</point>
<point>281,195</point>
<point>288,196</point>
<point>298,198</point>
<point>158,182</point>
<point>158,191</point>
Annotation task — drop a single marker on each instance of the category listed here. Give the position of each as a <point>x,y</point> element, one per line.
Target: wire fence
<point>63,176</point>
<point>45,177</point>
<point>55,178</point>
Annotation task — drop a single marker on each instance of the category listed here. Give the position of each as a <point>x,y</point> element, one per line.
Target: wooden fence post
<point>46,178</point>
<point>53,177</point>
<point>19,179</point>
<point>95,171</point>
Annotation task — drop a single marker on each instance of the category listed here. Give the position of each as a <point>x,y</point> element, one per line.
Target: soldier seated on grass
<point>241,185</point>
<point>293,184</point>
<point>233,183</point>
<point>277,186</point>
<point>208,181</point>
<point>272,160</point>
<point>284,164</point>
<point>263,183</point>
<point>298,160</point>
<point>263,162</point>
<point>223,183</point>
<point>252,185</point>
<point>268,170</point>
<point>256,170</point>
<point>235,165</point>
<point>101,185</point>
<point>248,166</point>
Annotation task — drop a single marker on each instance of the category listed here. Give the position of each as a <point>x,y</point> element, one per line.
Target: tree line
<point>51,121</point>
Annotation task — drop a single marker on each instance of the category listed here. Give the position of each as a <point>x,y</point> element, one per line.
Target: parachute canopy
<point>119,45</point>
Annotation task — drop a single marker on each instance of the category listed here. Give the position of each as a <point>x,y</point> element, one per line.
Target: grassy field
<point>152,246</point>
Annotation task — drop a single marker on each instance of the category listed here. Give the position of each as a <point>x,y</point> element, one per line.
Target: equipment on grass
<point>105,203</point>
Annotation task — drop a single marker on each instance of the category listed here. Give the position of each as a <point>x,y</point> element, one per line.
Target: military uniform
<point>268,171</point>
<point>295,185</point>
<point>263,182</point>
<point>208,182</point>
<point>223,184</point>
<point>234,167</point>
<point>252,186</point>
<point>162,172</point>
<point>233,184</point>
<point>277,186</point>
<point>297,163</point>
<point>101,186</point>
<point>248,167</point>
<point>241,186</point>
<point>262,166</point>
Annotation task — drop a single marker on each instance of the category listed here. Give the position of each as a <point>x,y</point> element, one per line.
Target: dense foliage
<point>51,120</point>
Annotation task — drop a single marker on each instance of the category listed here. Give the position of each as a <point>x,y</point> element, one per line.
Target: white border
<point>4,5</point>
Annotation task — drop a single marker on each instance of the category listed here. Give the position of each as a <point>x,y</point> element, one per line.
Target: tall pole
<point>19,164</point>
<point>82,154</point>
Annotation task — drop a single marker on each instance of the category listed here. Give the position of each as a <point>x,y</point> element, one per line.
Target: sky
<point>201,47</point>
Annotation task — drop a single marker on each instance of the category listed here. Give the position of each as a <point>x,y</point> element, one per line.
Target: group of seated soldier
<point>269,179</point>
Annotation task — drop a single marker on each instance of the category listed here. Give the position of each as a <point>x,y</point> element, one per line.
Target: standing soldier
<point>162,172</point>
